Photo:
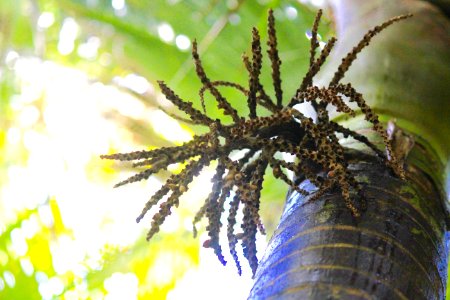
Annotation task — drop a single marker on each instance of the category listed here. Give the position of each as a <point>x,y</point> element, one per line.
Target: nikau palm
<point>357,219</point>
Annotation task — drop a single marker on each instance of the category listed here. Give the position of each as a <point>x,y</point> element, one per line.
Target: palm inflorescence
<point>314,143</point>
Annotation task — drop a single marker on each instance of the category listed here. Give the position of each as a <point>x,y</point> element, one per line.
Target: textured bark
<point>397,248</point>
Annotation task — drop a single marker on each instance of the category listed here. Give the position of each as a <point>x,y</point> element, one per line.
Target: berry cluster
<point>314,143</point>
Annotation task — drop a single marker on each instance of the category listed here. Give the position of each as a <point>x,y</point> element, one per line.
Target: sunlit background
<point>77,79</point>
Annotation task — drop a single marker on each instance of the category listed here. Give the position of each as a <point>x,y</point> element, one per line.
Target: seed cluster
<point>314,143</point>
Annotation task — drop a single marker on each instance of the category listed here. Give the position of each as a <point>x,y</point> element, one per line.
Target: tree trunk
<point>397,248</point>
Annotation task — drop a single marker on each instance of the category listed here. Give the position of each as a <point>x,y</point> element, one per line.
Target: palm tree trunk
<point>397,249</point>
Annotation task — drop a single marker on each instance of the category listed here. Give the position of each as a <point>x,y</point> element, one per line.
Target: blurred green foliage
<point>106,39</point>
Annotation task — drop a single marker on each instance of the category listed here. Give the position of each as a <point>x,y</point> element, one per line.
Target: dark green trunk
<point>397,248</point>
